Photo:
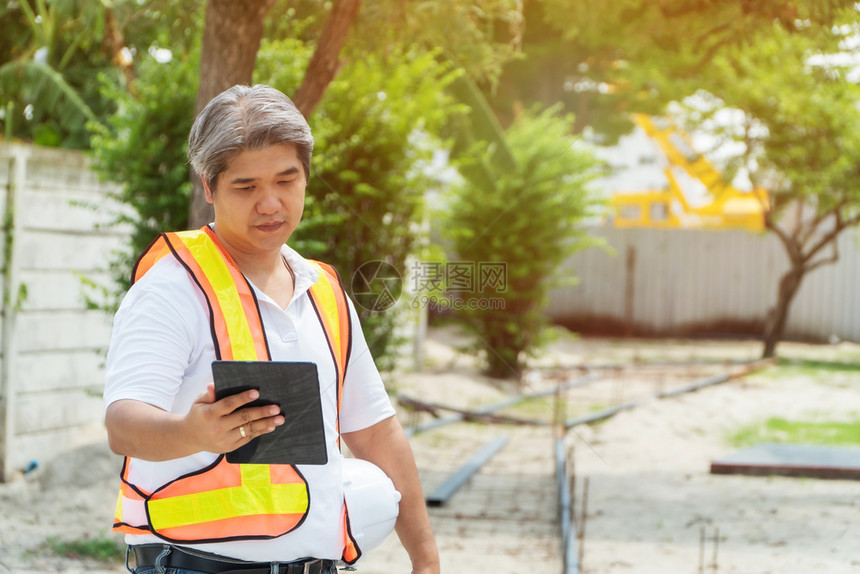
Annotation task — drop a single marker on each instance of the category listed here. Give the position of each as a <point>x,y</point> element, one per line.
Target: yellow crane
<point>727,207</point>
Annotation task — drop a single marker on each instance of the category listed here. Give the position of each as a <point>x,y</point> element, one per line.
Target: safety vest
<point>225,501</point>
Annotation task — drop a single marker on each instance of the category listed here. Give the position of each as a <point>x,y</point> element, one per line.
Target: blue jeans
<point>154,570</point>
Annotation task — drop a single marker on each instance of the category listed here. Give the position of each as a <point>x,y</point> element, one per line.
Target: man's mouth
<point>270,226</point>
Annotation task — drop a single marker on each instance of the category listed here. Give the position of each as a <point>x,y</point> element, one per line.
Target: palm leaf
<point>32,83</point>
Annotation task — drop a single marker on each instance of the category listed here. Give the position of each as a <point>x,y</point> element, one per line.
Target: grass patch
<point>544,408</point>
<point>814,368</point>
<point>803,432</point>
<point>534,408</point>
<point>102,548</point>
<point>815,365</point>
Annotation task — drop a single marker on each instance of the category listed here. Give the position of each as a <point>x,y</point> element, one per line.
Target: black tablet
<point>293,386</point>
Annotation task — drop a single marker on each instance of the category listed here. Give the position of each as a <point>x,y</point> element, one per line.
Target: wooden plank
<point>796,460</point>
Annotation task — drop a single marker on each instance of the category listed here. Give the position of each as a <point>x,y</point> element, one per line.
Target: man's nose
<point>268,201</point>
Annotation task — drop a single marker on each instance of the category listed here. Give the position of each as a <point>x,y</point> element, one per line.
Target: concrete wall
<point>52,347</point>
<point>681,282</point>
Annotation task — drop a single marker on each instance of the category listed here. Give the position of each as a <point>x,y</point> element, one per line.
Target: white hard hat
<point>371,500</point>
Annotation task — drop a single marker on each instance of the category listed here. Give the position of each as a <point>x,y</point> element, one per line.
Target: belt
<point>175,557</point>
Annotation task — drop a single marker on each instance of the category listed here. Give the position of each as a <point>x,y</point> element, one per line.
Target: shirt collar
<point>306,273</point>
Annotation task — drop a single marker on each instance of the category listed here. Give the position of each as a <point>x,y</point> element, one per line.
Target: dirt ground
<point>650,498</point>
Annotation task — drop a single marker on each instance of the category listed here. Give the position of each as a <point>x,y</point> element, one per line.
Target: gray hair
<point>246,118</point>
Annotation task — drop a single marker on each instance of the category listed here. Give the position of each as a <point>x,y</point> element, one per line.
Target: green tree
<point>528,220</point>
<point>605,60</point>
<point>369,176</point>
<point>640,55</point>
<point>143,146</point>
<point>48,46</point>
<point>52,51</point>
<point>388,24</point>
<point>801,132</point>
<point>478,37</point>
<point>224,64</point>
<point>141,142</point>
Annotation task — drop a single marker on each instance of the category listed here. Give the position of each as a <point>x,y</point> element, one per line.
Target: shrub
<point>526,220</point>
<point>143,146</point>
<point>370,171</point>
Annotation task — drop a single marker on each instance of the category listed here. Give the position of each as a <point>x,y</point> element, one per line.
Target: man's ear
<point>210,196</point>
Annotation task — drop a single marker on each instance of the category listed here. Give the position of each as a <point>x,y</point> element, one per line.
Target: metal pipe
<point>453,483</point>
<point>604,413</point>
<point>568,532</point>
<point>440,422</point>
<point>695,385</point>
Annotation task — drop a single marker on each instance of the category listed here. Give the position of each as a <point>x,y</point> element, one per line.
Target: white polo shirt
<point>161,353</point>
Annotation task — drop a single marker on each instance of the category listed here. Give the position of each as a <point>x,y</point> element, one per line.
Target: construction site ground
<point>651,503</point>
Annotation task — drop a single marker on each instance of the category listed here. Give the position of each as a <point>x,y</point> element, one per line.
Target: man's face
<point>259,199</point>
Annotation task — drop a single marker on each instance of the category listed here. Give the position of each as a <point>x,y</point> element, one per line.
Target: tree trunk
<point>231,39</point>
<point>775,326</point>
<point>325,62</point>
<point>113,44</point>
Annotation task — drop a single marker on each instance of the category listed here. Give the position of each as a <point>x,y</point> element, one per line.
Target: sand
<point>650,496</point>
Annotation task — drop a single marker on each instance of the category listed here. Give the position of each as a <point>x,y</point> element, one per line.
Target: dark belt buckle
<point>309,563</point>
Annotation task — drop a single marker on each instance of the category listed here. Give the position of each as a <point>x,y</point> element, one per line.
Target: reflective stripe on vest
<point>221,501</point>
<point>324,296</point>
<point>230,498</point>
<point>234,316</point>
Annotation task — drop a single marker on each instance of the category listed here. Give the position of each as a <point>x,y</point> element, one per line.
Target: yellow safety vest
<point>234,501</point>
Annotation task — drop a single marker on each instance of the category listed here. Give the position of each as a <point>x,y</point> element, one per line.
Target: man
<point>236,291</point>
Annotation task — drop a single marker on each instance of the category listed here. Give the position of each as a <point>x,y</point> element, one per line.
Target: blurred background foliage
<point>52,52</point>
<point>143,145</point>
<point>513,219</point>
<point>490,88</point>
<point>375,134</point>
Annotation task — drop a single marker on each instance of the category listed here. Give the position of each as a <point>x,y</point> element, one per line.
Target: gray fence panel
<point>710,282</point>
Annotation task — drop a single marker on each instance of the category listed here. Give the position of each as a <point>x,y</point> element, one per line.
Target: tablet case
<point>294,386</point>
